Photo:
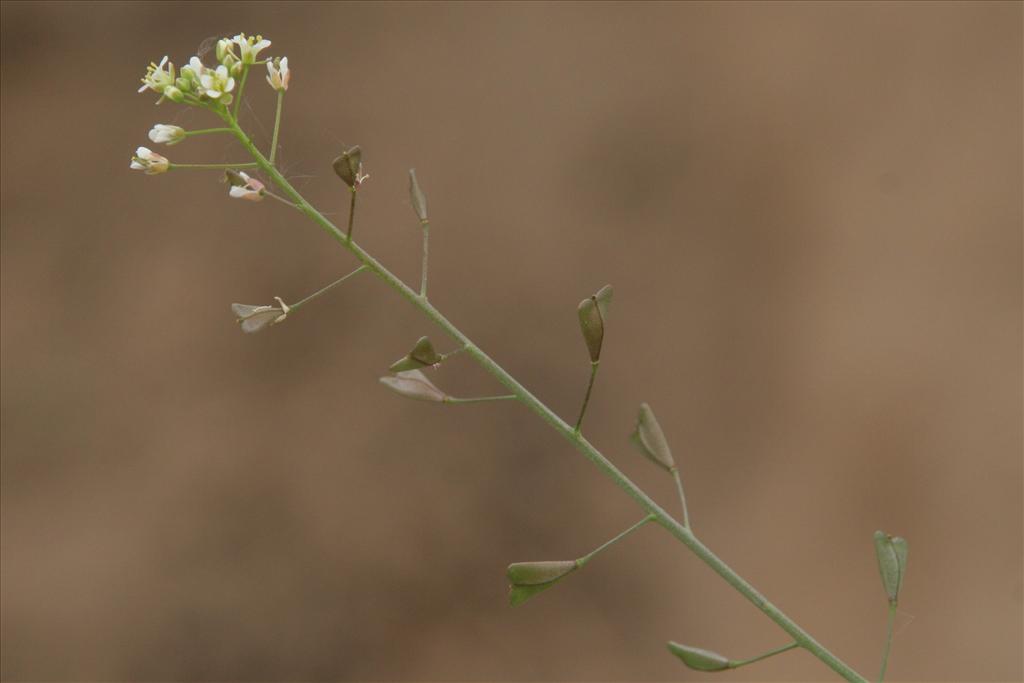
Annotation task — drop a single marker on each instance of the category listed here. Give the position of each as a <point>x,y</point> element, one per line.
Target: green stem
<point>216,166</point>
<point>241,87</point>
<point>586,397</point>
<point>680,532</point>
<point>277,126</point>
<point>888,641</point>
<point>586,558</point>
<point>423,268</point>
<point>771,653</point>
<point>351,214</point>
<point>328,287</point>
<point>268,193</point>
<point>206,131</point>
<point>480,399</point>
<point>682,496</point>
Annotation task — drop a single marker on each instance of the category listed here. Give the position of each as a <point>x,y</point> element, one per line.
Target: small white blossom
<point>216,82</point>
<point>252,189</point>
<point>156,78</point>
<point>278,73</point>
<point>149,161</point>
<point>163,134</point>
<point>250,47</point>
<point>255,318</point>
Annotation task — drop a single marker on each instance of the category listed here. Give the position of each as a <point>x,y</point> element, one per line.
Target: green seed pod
<point>696,658</point>
<point>421,356</point>
<point>892,563</point>
<point>593,311</point>
<point>174,94</point>
<point>414,384</point>
<point>650,440</point>
<point>416,196</point>
<point>348,166</point>
<point>529,578</point>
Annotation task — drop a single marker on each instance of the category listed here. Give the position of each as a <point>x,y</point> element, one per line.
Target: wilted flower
<point>165,134</point>
<point>216,83</point>
<point>149,161</point>
<point>156,78</point>
<point>278,73</point>
<point>243,186</point>
<point>255,318</point>
<point>250,47</point>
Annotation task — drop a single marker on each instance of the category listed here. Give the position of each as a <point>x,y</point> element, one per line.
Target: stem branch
<point>888,641</point>
<point>586,397</point>
<point>680,532</point>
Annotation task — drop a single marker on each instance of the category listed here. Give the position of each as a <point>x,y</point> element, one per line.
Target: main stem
<point>684,535</point>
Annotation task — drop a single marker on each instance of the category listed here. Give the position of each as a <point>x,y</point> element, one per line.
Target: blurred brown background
<point>811,214</point>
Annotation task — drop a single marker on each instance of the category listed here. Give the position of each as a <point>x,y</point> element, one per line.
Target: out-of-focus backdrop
<point>811,214</point>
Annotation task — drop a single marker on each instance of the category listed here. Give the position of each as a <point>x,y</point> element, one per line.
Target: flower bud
<point>892,563</point>
<point>421,356</point>
<point>163,133</point>
<point>174,94</point>
<point>243,186</point>
<point>698,659</point>
<point>529,578</point>
<point>592,312</point>
<point>278,73</point>
<point>414,384</point>
<point>419,201</point>
<point>650,440</point>
<point>349,167</point>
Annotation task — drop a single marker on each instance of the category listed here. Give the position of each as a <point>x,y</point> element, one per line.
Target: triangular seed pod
<point>698,659</point>
<point>530,578</point>
<point>592,313</point>
<point>347,166</point>
<point>421,356</point>
<point>532,573</point>
<point>414,384</point>
<point>892,559</point>
<point>419,201</point>
<point>650,440</point>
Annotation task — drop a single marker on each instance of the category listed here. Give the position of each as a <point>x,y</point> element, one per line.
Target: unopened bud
<point>419,201</point>
<point>593,311</point>
<point>698,659</point>
<point>650,440</point>
<point>892,563</point>
<point>529,578</point>
<point>414,384</point>
<point>421,356</point>
<point>174,94</point>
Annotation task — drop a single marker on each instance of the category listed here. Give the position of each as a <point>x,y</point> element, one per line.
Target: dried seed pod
<point>414,384</point>
<point>349,166</point>
<point>421,356</point>
<point>650,440</point>
<point>593,311</point>
<point>416,196</point>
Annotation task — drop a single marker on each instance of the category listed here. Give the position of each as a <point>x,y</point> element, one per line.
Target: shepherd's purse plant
<point>218,89</point>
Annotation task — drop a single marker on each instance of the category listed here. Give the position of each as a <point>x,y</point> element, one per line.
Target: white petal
<point>245,310</point>
<point>259,321</point>
<point>137,166</point>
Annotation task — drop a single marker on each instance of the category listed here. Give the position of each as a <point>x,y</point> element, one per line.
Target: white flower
<point>163,134</point>
<point>216,83</point>
<point>255,318</point>
<point>246,187</point>
<point>150,162</point>
<point>279,75</point>
<point>157,78</point>
<point>250,47</point>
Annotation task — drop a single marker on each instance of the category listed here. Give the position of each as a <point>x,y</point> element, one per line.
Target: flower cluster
<point>200,85</point>
<point>212,87</point>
